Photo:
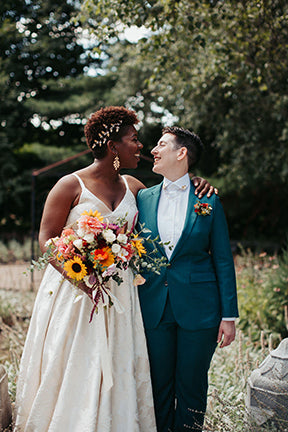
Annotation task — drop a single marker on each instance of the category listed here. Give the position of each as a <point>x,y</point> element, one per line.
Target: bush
<point>262,292</point>
<point>14,251</point>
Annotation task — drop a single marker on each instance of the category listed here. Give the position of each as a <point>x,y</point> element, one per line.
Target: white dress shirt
<point>172,211</point>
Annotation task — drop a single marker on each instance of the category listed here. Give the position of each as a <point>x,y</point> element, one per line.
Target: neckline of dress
<point>116,208</point>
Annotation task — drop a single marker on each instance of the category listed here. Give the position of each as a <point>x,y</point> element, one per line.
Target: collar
<point>182,183</point>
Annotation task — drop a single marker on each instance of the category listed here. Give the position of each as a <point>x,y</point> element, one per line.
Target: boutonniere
<point>203,209</point>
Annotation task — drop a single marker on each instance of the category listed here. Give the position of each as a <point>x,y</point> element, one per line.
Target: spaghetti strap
<point>126,183</point>
<point>80,181</point>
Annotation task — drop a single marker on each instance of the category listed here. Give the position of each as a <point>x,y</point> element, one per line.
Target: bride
<point>74,375</point>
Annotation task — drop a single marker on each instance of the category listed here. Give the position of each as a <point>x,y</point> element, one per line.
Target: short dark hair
<point>109,122</point>
<point>189,140</point>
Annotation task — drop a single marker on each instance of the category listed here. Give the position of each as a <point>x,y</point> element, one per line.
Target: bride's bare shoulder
<point>134,184</point>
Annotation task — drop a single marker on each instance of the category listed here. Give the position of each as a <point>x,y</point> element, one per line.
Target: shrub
<point>15,251</point>
<point>262,292</point>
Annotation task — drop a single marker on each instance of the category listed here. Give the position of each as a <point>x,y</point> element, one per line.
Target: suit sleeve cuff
<point>228,319</point>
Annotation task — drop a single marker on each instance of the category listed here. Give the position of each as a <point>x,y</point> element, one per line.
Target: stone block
<point>267,389</point>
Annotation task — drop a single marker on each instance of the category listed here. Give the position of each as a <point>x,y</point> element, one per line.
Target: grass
<point>15,312</point>
<point>230,369</point>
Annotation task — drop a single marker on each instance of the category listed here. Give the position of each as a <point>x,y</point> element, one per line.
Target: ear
<point>182,153</point>
<point>112,147</point>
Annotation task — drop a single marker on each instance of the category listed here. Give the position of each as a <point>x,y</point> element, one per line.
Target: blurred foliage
<point>45,97</point>
<point>14,251</point>
<point>263,293</point>
<point>220,69</point>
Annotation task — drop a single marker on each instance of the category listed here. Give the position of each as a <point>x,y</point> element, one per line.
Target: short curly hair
<point>188,139</point>
<point>102,123</point>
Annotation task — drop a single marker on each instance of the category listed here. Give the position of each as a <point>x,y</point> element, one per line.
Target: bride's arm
<point>61,199</point>
<point>59,202</point>
<point>202,186</point>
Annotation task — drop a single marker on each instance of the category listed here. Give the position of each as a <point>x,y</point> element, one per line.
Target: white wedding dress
<point>81,377</point>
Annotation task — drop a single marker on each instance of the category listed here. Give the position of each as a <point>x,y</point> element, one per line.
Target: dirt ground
<point>12,276</point>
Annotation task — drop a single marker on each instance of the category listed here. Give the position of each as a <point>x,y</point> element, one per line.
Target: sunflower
<point>94,214</point>
<point>104,256</point>
<point>75,268</point>
<point>139,247</point>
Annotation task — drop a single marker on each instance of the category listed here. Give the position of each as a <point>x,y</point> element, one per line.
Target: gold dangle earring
<point>116,163</point>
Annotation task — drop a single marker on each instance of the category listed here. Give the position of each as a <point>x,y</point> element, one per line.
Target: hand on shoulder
<point>203,187</point>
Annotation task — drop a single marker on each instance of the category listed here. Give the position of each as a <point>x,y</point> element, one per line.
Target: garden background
<point>218,68</point>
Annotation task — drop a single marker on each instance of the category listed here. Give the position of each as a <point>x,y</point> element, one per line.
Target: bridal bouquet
<point>93,251</point>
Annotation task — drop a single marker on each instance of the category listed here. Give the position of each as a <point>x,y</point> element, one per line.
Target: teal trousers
<point>179,362</point>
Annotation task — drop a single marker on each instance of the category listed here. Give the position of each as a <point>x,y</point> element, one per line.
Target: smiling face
<point>129,148</point>
<point>166,156</point>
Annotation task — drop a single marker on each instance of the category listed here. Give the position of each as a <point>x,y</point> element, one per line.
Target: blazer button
<point>166,283</point>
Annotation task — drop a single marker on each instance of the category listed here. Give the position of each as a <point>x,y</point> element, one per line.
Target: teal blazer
<point>200,276</point>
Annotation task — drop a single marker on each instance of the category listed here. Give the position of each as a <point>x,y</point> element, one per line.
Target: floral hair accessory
<point>203,209</point>
<point>105,134</point>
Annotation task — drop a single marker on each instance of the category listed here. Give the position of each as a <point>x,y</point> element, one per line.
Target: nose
<point>154,150</point>
<point>140,145</point>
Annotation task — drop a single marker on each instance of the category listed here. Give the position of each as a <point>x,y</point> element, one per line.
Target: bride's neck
<point>105,171</point>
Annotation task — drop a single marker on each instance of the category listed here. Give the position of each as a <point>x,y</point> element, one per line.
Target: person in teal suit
<point>192,305</point>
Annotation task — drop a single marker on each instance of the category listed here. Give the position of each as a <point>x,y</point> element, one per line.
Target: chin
<point>157,170</point>
<point>133,165</point>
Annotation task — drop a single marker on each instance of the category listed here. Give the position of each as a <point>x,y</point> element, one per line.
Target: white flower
<point>109,236</point>
<point>78,243</point>
<point>81,232</point>
<point>116,248</point>
<point>122,254</point>
<point>89,237</point>
<point>122,238</point>
<point>48,242</point>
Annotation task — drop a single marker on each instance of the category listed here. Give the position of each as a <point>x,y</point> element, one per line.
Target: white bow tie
<point>173,187</point>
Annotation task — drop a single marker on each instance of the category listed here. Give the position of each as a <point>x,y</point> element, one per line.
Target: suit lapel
<point>190,220</point>
<point>152,213</point>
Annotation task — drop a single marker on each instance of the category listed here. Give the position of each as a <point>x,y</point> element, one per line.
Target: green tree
<point>220,68</point>
<point>45,95</point>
